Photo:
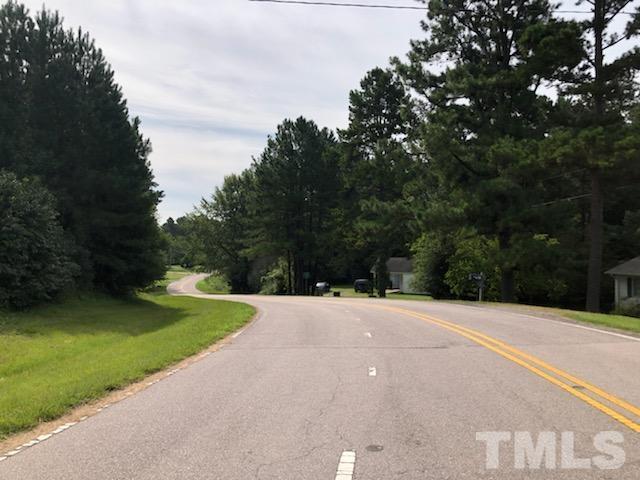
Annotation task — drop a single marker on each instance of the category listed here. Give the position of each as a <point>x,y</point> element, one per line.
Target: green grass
<point>59,356</point>
<point>621,322</point>
<point>175,272</point>
<point>347,291</point>
<point>215,284</point>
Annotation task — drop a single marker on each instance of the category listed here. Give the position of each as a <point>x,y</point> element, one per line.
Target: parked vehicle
<point>322,288</point>
<point>362,285</point>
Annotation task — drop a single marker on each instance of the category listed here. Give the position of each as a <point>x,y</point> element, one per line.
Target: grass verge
<point>56,357</point>
<point>213,284</point>
<point>620,322</point>
<point>175,272</point>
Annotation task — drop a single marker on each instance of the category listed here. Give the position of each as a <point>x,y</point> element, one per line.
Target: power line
<point>337,4</point>
<point>390,7</point>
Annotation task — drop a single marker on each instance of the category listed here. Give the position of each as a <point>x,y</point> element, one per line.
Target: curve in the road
<point>531,363</point>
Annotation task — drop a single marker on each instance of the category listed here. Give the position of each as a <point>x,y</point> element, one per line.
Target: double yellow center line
<point>541,368</point>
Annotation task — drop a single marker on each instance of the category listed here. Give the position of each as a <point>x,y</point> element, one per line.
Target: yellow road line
<point>502,349</point>
<point>577,381</point>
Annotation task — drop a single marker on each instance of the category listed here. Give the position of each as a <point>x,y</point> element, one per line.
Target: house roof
<point>400,265</point>
<point>632,267</point>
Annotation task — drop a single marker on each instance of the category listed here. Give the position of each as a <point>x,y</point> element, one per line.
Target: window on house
<point>635,291</point>
<point>629,287</point>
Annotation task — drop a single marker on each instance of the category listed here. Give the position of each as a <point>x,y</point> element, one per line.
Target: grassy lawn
<point>59,356</point>
<point>621,322</point>
<point>615,321</point>
<point>347,291</point>
<point>215,283</point>
<point>174,273</point>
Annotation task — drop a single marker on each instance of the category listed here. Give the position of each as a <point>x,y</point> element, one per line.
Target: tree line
<point>77,195</point>
<point>506,142</point>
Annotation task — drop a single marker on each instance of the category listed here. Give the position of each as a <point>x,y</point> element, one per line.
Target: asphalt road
<point>406,386</point>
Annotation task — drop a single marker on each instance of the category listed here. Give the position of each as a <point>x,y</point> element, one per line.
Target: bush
<point>274,282</point>
<point>34,265</point>
<point>431,253</point>
<point>630,309</point>
<point>473,253</point>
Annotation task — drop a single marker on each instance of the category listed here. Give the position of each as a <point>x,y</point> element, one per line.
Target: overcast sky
<point>211,79</point>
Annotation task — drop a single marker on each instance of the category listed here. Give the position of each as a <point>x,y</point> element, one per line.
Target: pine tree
<point>478,75</point>
<point>222,226</point>
<point>597,135</point>
<point>376,167</point>
<point>296,186</point>
<point>73,131</point>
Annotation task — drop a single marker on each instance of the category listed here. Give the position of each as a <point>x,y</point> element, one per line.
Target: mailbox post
<point>479,280</point>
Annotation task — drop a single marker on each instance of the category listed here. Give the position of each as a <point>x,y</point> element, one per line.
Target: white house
<point>401,274</point>
<point>627,282</point>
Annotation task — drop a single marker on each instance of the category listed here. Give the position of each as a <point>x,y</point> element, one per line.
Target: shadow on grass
<point>91,315</point>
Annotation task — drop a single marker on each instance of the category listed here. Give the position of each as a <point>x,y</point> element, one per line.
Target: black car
<point>362,285</point>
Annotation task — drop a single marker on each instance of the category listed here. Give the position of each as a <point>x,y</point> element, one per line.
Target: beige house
<point>627,283</point>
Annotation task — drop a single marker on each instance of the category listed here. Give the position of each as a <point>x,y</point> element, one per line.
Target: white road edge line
<point>237,334</point>
<point>557,322</point>
<point>372,371</point>
<point>582,327</point>
<point>346,465</point>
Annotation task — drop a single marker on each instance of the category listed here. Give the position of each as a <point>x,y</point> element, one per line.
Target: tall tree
<point>68,124</point>
<point>597,135</point>
<point>479,83</point>
<point>376,166</point>
<point>296,186</point>
<point>222,226</point>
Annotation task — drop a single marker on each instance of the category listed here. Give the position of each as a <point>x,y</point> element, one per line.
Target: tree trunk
<point>382,277</point>
<point>507,281</point>
<point>507,286</point>
<point>596,228</point>
<point>289,284</point>
<point>596,219</point>
<point>299,280</point>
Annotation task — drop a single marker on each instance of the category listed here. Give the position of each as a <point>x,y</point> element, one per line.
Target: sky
<point>212,79</point>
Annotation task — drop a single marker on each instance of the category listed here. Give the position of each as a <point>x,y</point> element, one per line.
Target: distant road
<point>318,387</point>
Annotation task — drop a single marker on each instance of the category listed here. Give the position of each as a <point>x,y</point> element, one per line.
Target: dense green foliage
<point>64,120</point>
<point>214,284</point>
<point>272,227</point>
<point>484,121</point>
<point>179,246</point>
<point>505,143</point>
<point>511,169</point>
<point>34,263</point>
<point>296,186</point>
<point>376,166</point>
<point>596,132</point>
<point>222,230</point>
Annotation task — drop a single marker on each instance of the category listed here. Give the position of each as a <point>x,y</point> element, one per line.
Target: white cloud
<point>210,80</point>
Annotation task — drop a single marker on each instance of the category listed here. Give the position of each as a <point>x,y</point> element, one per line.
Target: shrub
<point>34,265</point>
<point>631,309</point>
<point>274,282</point>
